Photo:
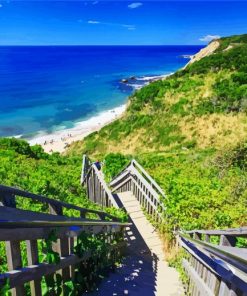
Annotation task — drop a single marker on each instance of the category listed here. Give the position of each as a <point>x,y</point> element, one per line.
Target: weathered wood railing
<point>8,199</point>
<point>18,227</point>
<point>97,189</point>
<point>212,269</point>
<point>149,194</point>
<point>86,164</point>
<point>218,268</point>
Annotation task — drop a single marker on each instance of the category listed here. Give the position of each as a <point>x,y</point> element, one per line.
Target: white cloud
<point>135,5</point>
<point>129,27</point>
<point>93,22</point>
<point>209,38</point>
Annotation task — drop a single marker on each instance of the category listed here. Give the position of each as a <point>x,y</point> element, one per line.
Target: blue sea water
<point>52,87</point>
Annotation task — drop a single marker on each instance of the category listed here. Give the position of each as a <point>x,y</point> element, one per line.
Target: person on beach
<point>98,165</point>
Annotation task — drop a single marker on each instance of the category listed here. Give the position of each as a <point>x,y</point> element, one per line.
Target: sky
<point>119,22</point>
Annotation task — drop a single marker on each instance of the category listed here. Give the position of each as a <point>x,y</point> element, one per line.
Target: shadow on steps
<point>137,275</point>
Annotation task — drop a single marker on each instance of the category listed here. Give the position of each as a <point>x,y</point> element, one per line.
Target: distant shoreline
<point>60,140</point>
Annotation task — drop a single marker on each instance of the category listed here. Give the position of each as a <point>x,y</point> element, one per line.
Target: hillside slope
<point>202,106</point>
<point>190,132</point>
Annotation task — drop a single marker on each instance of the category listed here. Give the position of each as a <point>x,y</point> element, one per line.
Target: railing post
<point>13,251</point>
<point>33,259</point>
<point>93,183</point>
<point>83,214</point>
<point>62,245</point>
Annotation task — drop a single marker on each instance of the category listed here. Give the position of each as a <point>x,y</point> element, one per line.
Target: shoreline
<point>59,140</point>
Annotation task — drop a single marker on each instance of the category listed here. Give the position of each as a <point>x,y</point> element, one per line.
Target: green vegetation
<point>87,274</point>
<point>113,164</point>
<point>190,132</point>
<point>55,176</point>
<point>31,169</point>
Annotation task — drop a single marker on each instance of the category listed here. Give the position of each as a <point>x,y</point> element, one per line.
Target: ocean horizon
<point>44,89</point>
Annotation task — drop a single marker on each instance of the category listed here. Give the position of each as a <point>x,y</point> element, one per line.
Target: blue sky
<point>119,22</point>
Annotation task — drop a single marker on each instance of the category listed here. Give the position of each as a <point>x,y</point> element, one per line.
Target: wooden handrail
<point>236,232</point>
<point>17,225</point>
<point>97,189</point>
<point>85,165</point>
<point>134,178</point>
<point>227,253</point>
<point>215,268</point>
<point>17,192</point>
<point>28,227</point>
<point>13,232</point>
<point>143,172</point>
<point>149,178</point>
<point>36,224</point>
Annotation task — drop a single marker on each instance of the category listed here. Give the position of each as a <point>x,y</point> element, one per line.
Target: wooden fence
<point>149,194</point>
<point>97,189</point>
<point>26,228</point>
<point>213,262</point>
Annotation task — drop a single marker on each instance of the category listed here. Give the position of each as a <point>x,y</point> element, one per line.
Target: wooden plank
<point>14,260</point>
<point>43,232</point>
<point>33,259</point>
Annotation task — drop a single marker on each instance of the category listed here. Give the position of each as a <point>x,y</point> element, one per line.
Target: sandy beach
<point>60,140</point>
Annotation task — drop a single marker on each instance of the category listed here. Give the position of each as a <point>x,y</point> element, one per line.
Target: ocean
<point>50,88</point>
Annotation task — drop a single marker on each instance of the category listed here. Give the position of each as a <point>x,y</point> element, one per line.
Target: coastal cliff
<point>204,52</point>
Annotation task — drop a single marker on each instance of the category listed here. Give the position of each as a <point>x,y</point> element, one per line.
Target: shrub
<point>113,164</point>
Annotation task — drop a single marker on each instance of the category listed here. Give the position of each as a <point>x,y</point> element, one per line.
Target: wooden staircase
<point>213,263</point>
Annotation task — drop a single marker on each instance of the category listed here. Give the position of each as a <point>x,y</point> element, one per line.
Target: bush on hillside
<point>113,164</point>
